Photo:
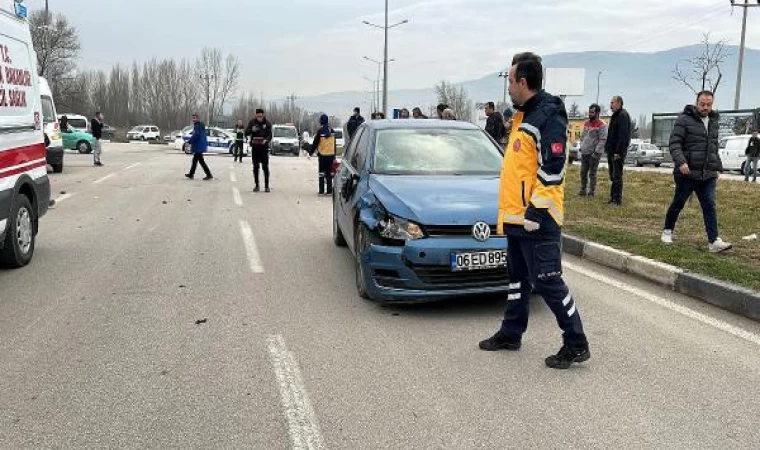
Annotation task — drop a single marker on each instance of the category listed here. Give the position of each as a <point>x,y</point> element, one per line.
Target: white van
<point>24,184</point>
<point>732,152</point>
<point>52,128</point>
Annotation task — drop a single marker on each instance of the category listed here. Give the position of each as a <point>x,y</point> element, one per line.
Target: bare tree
<point>56,42</point>
<point>217,79</point>
<point>703,72</point>
<point>575,110</point>
<point>456,98</point>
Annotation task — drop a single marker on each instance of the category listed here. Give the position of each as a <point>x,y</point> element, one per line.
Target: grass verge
<point>637,225</point>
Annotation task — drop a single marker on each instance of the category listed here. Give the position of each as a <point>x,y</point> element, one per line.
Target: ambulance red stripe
<point>19,156</point>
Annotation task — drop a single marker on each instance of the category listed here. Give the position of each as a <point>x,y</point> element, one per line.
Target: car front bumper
<point>420,271</point>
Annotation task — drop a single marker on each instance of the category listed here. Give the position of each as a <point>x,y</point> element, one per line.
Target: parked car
<point>77,121</point>
<point>218,141</point>
<point>76,139</point>
<point>574,153</point>
<point>109,132</point>
<point>642,153</point>
<point>179,141</point>
<point>733,152</point>
<point>52,128</point>
<point>285,140</point>
<point>416,202</point>
<point>340,141</point>
<point>144,133</point>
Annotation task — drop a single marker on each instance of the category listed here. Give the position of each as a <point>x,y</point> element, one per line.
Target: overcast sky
<point>312,47</point>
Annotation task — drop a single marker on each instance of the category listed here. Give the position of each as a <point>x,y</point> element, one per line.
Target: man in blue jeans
<point>694,148</point>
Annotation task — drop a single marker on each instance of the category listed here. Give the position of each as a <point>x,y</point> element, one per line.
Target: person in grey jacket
<point>694,148</point>
<point>592,148</point>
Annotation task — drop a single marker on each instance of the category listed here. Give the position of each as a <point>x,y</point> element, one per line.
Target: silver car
<point>641,154</point>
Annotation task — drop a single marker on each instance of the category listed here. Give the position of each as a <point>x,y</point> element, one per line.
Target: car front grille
<point>452,230</point>
<point>442,277</point>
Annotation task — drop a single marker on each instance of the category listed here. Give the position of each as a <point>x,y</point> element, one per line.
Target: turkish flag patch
<point>558,148</point>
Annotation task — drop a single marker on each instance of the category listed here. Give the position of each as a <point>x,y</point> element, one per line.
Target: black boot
<point>499,342</point>
<point>567,356</point>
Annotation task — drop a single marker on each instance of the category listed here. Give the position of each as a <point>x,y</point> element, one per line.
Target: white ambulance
<point>24,184</point>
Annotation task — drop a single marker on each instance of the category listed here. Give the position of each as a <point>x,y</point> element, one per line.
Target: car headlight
<point>399,229</point>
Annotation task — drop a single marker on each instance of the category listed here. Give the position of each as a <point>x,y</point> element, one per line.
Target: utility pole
<point>207,84</point>
<point>598,84</point>
<point>292,103</point>
<point>746,6</point>
<point>504,75</point>
<point>385,28</point>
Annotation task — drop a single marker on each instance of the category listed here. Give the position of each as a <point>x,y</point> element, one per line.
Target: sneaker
<point>582,193</point>
<point>208,178</point>
<point>188,176</point>
<point>667,236</point>
<point>498,342</point>
<point>98,164</point>
<point>267,190</point>
<point>567,356</point>
<point>256,189</point>
<point>718,246</point>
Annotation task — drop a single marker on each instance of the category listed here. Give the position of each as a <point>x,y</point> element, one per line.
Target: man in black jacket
<point>753,154</point>
<point>495,123</point>
<point>694,148</point>
<point>618,140</point>
<point>260,132</point>
<point>354,123</point>
<point>96,127</point>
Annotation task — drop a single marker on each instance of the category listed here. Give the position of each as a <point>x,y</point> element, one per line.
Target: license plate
<point>491,259</point>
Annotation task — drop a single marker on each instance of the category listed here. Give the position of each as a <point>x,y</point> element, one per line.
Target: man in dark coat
<point>694,148</point>
<point>616,147</point>
<point>495,123</point>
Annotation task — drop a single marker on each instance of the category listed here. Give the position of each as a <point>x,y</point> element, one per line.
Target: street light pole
<point>385,28</point>
<point>598,84</point>
<point>379,66</point>
<point>504,75</point>
<point>745,6</point>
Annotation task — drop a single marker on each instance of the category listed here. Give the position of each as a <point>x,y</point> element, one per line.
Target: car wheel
<point>657,165</point>
<point>338,238</point>
<point>57,168</point>
<point>638,164</point>
<point>361,244</point>
<point>84,147</point>
<point>142,138</point>
<point>186,148</point>
<point>20,239</point>
<point>296,152</point>
<point>744,168</point>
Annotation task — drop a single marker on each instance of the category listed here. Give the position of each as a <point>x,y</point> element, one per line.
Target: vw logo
<point>481,231</point>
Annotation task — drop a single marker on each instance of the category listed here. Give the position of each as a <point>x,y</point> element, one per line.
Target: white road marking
<point>233,177</point>
<point>236,196</point>
<point>63,197</point>
<point>250,247</point>
<point>302,422</point>
<point>690,313</point>
<point>132,166</point>
<point>110,175</point>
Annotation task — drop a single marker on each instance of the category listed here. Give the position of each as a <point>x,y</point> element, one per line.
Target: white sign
<point>565,82</point>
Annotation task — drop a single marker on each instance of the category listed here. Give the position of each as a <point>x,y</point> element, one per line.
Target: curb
<point>742,301</point>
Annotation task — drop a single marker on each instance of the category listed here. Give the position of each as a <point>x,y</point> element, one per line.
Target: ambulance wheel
<point>20,238</point>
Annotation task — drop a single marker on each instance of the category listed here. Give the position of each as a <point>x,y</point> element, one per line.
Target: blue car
<point>416,202</point>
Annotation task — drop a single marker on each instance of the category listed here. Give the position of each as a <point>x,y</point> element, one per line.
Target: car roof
<point>73,116</point>
<point>425,124</point>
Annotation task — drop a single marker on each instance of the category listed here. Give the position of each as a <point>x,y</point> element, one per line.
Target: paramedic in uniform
<point>324,144</point>
<point>531,196</point>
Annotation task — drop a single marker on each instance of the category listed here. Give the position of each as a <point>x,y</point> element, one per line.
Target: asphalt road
<point>100,345</point>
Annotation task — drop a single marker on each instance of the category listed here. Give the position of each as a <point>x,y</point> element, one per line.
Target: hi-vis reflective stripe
<point>572,311</point>
<point>533,132</point>
<point>543,176</point>
<point>515,286</point>
<point>513,218</point>
<point>538,201</point>
<point>3,223</point>
<point>13,170</point>
<point>517,296</point>
<point>567,300</point>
